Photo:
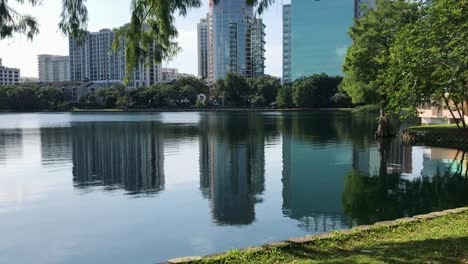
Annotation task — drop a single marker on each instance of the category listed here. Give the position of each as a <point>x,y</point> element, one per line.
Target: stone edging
<point>307,239</point>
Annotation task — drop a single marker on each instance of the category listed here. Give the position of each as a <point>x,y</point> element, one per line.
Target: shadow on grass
<point>449,250</point>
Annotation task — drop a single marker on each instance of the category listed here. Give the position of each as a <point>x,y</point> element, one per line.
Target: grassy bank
<point>444,127</point>
<point>443,239</point>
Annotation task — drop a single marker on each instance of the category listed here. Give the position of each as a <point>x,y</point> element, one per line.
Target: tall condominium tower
<point>202,30</point>
<point>53,68</point>
<point>235,40</point>
<point>93,59</point>
<point>287,43</point>
<point>317,31</point>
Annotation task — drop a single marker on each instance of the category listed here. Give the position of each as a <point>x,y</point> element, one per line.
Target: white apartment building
<point>94,60</point>
<point>53,68</point>
<point>172,75</point>
<point>9,76</point>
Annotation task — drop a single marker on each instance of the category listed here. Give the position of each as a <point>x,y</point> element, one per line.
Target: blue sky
<point>21,53</point>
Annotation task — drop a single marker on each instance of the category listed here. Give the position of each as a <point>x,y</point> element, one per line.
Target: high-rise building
<point>53,68</point>
<point>287,43</point>
<point>202,30</point>
<point>9,76</point>
<point>317,31</point>
<point>93,59</point>
<point>360,6</point>
<point>234,43</point>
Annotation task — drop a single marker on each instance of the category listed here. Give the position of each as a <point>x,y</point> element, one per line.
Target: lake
<point>146,187</point>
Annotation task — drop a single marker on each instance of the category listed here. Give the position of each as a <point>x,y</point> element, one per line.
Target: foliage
<point>342,100</point>
<point>367,109</point>
<point>430,58</point>
<point>199,104</point>
<point>315,91</point>
<point>12,21</point>
<point>264,90</point>
<point>284,97</point>
<point>32,98</point>
<point>235,88</point>
<point>122,102</point>
<point>366,66</point>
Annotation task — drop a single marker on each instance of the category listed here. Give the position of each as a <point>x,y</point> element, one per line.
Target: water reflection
<point>232,166</point>
<point>11,145</point>
<point>260,177</point>
<point>119,155</point>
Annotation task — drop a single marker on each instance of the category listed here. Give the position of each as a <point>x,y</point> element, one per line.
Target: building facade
<point>317,31</point>
<point>287,43</point>
<point>53,68</point>
<point>233,43</point>
<point>94,60</point>
<point>202,31</point>
<point>9,76</point>
<point>172,75</point>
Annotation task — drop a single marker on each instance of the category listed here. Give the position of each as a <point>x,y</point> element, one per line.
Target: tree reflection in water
<point>390,194</point>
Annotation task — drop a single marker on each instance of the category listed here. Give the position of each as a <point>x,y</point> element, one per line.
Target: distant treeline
<point>317,91</point>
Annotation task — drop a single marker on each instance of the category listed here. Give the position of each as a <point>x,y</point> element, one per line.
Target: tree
<point>315,91</point>
<point>265,89</point>
<point>49,98</point>
<point>236,88</point>
<point>23,99</point>
<point>151,21</point>
<point>429,60</point>
<point>284,97</point>
<point>123,102</point>
<point>367,60</point>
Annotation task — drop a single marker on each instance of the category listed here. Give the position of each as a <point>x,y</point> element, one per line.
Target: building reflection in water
<point>313,170</point>
<point>232,165</point>
<point>391,181</point>
<point>56,146</point>
<point>119,155</point>
<point>11,145</point>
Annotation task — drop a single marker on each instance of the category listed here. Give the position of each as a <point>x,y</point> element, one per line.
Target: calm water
<point>143,188</point>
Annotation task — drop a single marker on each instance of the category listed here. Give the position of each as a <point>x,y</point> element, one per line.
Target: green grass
<point>434,127</point>
<point>440,240</point>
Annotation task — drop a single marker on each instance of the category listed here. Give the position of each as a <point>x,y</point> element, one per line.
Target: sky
<point>21,53</point>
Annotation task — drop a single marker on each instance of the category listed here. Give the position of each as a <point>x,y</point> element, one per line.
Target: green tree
<point>23,99</point>
<point>236,89</point>
<point>4,101</point>
<point>264,89</point>
<point>284,97</point>
<point>367,60</point>
<point>429,60</point>
<point>123,102</point>
<point>315,91</point>
<point>49,98</point>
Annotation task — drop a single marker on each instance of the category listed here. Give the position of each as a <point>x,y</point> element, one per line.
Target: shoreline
<point>355,232</point>
<point>436,136</point>
<point>160,110</point>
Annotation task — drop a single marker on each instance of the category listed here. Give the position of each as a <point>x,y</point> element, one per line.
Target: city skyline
<point>22,53</point>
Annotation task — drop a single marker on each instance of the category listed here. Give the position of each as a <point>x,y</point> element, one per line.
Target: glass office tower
<point>235,40</point>
<point>319,39</point>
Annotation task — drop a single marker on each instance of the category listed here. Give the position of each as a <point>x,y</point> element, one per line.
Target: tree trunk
<point>450,110</point>
<point>385,127</point>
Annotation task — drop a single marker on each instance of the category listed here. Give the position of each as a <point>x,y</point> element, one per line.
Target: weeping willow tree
<point>150,32</point>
